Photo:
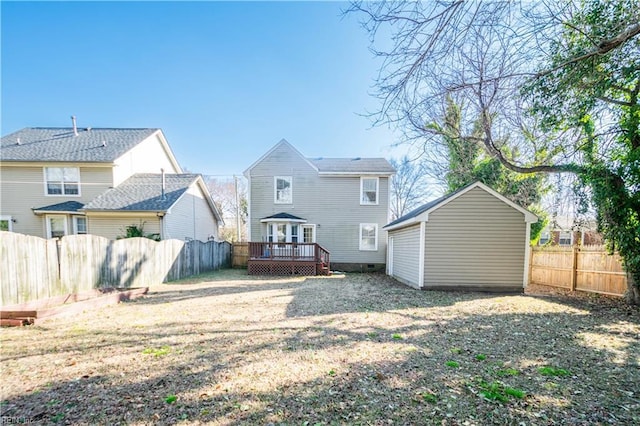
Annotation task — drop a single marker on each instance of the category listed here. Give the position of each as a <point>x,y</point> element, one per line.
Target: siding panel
<point>191,218</point>
<point>406,255</point>
<point>475,240</point>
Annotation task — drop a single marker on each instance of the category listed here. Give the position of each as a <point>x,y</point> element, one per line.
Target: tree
<point>230,204</point>
<point>553,86</point>
<point>409,186</point>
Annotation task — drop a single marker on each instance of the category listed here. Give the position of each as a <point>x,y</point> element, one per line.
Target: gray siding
<point>22,188</point>
<point>332,203</point>
<point>113,227</point>
<point>475,240</point>
<point>406,255</point>
<point>191,218</point>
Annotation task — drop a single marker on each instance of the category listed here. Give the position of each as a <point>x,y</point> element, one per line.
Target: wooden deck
<point>288,259</point>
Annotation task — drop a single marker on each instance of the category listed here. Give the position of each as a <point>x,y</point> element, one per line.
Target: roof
<point>283,216</point>
<point>143,192</point>
<point>61,145</point>
<point>333,166</point>
<point>421,213</point>
<point>67,206</point>
<point>352,165</point>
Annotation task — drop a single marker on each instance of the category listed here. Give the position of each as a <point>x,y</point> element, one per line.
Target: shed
<point>472,239</point>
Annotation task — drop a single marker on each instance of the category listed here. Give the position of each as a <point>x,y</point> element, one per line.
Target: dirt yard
<point>230,349</point>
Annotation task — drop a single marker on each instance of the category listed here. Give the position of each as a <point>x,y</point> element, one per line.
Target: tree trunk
<point>632,294</point>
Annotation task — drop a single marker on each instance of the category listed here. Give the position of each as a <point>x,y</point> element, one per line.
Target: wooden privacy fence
<point>588,268</point>
<point>240,255</point>
<point>33,268</point>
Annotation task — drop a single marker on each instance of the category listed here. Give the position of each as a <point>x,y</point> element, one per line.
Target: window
<point>79,225</point>
<point>544,238</point>
<point>294,233</point>
<point>308,233</point>
<point>369,236</point>
<point>56,226</point>
<point>283,192</point>
<point>564,239</point>
<point>369,191</point>
<point>282,232</point>
<point>62,180</point>
<point>5,223</point>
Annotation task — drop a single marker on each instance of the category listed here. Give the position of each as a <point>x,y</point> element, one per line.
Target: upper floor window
<point>62,180</point>
<point>283,189</point>
<point>369,190</point>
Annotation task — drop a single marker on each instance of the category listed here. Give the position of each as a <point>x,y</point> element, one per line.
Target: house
<point>568,231</point>
<point>316,207</point>
<point>474,239</point>
<point>59,181</point>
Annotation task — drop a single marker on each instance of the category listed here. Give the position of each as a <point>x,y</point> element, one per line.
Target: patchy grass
<point>228,349</point>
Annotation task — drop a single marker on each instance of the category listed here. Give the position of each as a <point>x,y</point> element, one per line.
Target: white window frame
<point>363,200</point>
<point>545,237</point>
<point>62,182</point>
<point>75,225</point>
<point>56,216</point>
<point>361,246</point>
<point>313,233</point>
<point>9,220</point>
<point>275,190</point>
<point>560,238</point>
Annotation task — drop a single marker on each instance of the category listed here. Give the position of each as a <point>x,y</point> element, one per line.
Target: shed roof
<point>60,144</point>
<point>422,212</point>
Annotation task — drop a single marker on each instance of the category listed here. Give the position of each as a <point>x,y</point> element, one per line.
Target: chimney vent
<point>104,143</point>
<point>18,142</point>
<point>75,126</point>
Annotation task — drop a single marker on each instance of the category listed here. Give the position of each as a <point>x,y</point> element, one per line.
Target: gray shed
<point>472,239</point>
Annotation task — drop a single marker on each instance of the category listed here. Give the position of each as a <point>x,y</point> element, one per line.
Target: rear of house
<point>340,204</point>
<point>473,239</point>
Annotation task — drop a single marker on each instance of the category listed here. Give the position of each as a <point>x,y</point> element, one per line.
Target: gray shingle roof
<point>352,165</point>
<point>143,192</point>
<point>66,206</point>
<point>418,211</point>
<point>60,144</point>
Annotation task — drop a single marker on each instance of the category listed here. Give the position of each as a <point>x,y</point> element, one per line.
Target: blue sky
<point>225,81</point>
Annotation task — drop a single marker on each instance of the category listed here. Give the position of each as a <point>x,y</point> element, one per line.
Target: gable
<point>282,157</point>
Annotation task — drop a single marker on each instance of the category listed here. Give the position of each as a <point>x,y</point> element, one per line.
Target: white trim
<point>390,255</point>
<point>527,256</point>
<point>375,225</point>
<point>47,219</point>
<point>46,187</point>
<point>167,149</point>
<point>249,238</point>
<point>270,219</point>
<point>9,219</point>
<point>421,253</point>
<point>275,189</point>
<point>362,203</point>
<point>247,172</point>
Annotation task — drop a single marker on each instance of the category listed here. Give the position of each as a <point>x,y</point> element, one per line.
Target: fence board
<point>240,255</point>
<point>592,270</point>
<point>33,268</point>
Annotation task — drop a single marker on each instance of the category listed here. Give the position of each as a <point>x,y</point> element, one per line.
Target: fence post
<point>574,267</point>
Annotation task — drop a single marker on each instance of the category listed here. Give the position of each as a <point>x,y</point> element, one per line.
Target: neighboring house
<point>339,203</point>
<point>59,181</point>
<point>566,231</point>
<point>472,239</point>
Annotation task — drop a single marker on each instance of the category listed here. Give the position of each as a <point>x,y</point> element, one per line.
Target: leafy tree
<point>553,86</point>
<point>409,186</point>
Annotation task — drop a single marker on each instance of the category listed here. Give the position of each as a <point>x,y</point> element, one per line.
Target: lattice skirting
<point>281,268</point>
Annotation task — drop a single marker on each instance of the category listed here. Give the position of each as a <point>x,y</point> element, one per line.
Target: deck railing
<point>275,258</point>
